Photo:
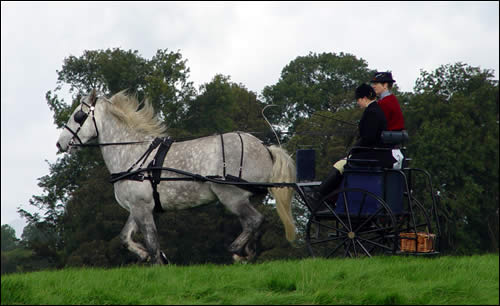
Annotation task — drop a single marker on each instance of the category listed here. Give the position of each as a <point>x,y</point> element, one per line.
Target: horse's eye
<point>80,117</point>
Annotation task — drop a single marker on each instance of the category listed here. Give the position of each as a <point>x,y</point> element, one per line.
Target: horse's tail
<point>283,171</point>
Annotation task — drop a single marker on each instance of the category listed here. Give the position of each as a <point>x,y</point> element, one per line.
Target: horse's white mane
<point>125,108</point>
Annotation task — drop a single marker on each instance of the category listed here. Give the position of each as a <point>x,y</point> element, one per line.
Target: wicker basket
<point>425,242</point>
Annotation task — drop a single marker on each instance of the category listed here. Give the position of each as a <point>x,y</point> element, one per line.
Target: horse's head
<point>81,126</point>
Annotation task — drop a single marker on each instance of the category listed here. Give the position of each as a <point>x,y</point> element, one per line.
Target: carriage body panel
<point>386,185</point>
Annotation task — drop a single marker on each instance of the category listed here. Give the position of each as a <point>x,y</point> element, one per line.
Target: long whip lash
<point>272,129</point>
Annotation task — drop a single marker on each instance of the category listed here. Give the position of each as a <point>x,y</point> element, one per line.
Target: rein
<point>108,144</point>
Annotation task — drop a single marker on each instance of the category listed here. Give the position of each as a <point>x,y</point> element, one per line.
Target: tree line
<point>451,117</point>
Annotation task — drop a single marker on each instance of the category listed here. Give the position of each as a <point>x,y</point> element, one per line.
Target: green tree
<point>316,82</point>
<point>248,113</point>
<point>330,135</point>
<point>9,239</point>
<point>163,80</point>
<point>44,234</point>
<point>210,111</point>
<point>167,84</point>
<point>453,126</point>
<point>223,106</point>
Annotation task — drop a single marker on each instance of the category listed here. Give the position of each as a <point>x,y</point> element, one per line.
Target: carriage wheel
<point>367,230</point>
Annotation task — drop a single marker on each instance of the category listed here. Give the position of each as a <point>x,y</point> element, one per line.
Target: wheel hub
<point>351,235</point>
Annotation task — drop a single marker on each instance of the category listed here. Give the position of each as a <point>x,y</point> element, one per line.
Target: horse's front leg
<point>126,237</point>
<point>145,221</point>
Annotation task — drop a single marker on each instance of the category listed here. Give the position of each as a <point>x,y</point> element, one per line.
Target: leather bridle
<point>80,117</point>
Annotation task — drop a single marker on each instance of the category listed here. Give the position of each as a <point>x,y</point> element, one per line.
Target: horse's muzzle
<point>60,148</point>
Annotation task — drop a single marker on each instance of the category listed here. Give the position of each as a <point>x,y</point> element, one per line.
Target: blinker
<point>80,117</point>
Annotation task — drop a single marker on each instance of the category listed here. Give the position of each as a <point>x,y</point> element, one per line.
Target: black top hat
<point>364,90</point>
<point>382,77</point>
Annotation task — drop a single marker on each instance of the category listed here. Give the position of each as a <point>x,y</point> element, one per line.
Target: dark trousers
<point>331,182</point>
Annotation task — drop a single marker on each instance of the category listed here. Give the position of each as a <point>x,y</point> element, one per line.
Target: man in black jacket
<point>372,123</point>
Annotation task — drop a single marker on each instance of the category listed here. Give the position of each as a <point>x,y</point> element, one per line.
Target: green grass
<point>382,280</point>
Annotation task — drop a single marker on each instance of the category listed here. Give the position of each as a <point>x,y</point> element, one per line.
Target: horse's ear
<point>93,97</point>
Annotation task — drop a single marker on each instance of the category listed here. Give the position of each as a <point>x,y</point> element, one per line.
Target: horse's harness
<point>154,168</point>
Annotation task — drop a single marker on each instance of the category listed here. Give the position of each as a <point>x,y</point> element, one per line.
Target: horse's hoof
<point>237,250</point>
<point>240,259</point>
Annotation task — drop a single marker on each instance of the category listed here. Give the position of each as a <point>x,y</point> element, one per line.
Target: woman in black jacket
<point>370,127</point>
<point>372,123</point>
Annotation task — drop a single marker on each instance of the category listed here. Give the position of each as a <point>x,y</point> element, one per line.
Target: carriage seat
<point>390,139</point>
<point>394,137</point>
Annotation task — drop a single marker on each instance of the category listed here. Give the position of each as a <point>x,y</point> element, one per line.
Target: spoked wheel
<point>351,222</point>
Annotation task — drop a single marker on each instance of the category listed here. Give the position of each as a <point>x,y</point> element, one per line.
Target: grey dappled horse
<point>119,119</point>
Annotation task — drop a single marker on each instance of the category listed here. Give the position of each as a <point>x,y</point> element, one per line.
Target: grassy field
<point>382,280</point>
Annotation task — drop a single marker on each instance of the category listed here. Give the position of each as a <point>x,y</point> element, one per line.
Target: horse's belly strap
<point>156,173</point>
<point>155,177</point>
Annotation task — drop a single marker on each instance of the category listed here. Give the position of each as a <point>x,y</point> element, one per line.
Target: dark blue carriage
<point>373,211</point>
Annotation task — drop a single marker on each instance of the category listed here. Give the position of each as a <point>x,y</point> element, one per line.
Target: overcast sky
<point>249,41</point>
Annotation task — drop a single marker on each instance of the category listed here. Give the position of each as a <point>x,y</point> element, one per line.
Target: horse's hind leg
<point>252,245</point>
<point>237,201</point>
<point>251,220</point>
<point>126,237</point>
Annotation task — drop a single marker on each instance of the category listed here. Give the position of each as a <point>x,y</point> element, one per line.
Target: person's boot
<point>331,182</point>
